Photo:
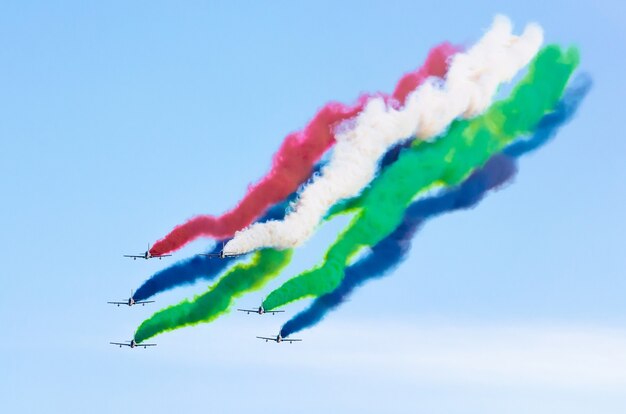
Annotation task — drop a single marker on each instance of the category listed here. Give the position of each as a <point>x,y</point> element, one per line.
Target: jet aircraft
<point>260,311</point>
<point>131,301</point>
<point>131,344</point>
<point>279,339</point>
<point>221,255</point>
<point>147,255</point>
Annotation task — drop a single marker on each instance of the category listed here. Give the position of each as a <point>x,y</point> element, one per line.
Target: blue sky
<point>119,121</point>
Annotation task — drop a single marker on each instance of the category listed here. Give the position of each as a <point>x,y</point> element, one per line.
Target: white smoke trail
<point>471,83</point>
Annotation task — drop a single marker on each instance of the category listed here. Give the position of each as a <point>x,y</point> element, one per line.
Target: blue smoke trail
<point>182,273</point>
<point>391,251</point>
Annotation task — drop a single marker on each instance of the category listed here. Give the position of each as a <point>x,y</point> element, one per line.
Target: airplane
<point>147,255</point>
<point>279,339</point>
<point>221,255</point>
<point>260,311</point>
<point>131,344</point>
<point>131,302</point>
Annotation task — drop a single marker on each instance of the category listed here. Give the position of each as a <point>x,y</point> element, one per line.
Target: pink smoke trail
<point>295,160</point>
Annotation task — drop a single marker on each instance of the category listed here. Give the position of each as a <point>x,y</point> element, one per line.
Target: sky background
<point>119,121</point>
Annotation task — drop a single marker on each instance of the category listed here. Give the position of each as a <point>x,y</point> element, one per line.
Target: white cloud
<point>559,356</point>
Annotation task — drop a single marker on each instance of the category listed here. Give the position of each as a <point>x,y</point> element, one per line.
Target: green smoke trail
<point>240,279</point>
<point>447,161</point>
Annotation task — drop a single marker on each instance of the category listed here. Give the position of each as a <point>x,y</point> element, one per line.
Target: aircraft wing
<point>119,343</point>
<point>272,312</point>
<point>118,303</point>
<point>162,255</point>
<point>133,256</point>
<point>292,340</point>
<point>248,310</point>
<point>141,302</point>
<point>138,345</point>
<point>267,339</point>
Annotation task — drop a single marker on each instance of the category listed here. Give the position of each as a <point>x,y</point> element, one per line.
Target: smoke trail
<point>447,161</point>
<point>550,124</point>
<point>391,251</point>
<point>200,267</point>
<point>208,306</point>
<point>188,271</point>
<point>471,83</point>
<point>293,162</point>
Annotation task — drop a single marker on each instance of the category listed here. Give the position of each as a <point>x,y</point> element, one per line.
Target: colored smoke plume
<point>386,255</point>
<point>293,163</point>
<point>466,146</point>
<point>471,83</point>
<point>240,279</point>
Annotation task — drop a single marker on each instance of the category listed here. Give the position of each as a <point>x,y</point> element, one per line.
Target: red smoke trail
<point>294,161</point>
